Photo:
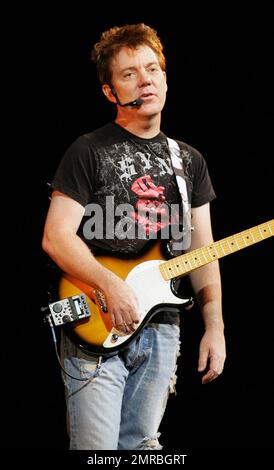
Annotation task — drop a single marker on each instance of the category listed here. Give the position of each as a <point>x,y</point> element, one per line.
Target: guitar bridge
<point>101,300</point>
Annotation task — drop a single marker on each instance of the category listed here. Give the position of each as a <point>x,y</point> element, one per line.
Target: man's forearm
<point>206,284</point>
<point>72,255</point>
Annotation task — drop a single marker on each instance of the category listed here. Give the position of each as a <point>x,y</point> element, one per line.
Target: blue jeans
<point>123,402</point>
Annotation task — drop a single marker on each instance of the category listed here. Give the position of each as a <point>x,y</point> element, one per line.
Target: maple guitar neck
<point>186,263</point>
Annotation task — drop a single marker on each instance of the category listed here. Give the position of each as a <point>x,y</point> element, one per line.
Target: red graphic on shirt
<point>151,202</point>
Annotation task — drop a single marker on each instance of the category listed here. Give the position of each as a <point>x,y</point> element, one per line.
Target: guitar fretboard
<point>186,263</point>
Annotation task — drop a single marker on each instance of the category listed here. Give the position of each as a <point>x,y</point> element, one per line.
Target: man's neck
<point>145,127</point>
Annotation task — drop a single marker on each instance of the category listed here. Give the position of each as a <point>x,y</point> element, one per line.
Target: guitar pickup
<point>101,300</point>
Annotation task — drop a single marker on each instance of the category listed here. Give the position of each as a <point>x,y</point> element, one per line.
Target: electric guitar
<point>153,280</point>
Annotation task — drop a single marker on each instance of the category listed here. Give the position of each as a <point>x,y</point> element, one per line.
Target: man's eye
<point>153,69</point>
<point>129,74</point>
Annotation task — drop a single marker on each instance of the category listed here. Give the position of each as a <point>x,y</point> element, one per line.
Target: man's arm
<point>71,254</point>
<point>206,283</point>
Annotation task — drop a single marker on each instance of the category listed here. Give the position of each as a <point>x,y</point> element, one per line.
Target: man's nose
<point>144,78</point>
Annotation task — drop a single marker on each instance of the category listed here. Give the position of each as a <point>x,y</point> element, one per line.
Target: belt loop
<point>99,362</point>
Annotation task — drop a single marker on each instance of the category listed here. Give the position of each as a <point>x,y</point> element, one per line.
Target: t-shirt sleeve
<point>202,191</point>
<point>75,174</point>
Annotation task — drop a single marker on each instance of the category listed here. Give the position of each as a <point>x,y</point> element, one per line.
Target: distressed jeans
<point>123,402</point>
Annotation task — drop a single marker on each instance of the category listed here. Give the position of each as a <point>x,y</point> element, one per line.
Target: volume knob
<point>57,308</point>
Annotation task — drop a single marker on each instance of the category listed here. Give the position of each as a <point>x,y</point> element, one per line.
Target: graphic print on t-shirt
<point>150,209</point>
<point>128,168</point>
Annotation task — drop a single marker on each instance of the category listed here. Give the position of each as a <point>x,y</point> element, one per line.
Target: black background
<point>220,100</point>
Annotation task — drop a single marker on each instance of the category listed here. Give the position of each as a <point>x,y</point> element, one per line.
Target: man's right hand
<point>122,305</point>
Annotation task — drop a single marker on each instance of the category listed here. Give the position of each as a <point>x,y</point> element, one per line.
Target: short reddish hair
<point>130,35</point>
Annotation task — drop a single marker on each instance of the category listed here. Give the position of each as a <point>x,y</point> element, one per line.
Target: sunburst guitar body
<point>96,334</point>
<point>153,279</point>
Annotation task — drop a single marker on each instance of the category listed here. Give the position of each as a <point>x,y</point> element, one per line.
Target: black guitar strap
<point>184,241</point>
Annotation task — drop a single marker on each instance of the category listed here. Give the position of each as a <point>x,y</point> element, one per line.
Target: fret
<point>235,240</point>
<point>229,246</point>
<point>199,259</point>
<point>215,248</point>
<point>257,235</point>
<point>253,239</point>
<point>163,269</point>
<point>211,254</point>
<point>260,233</point>
<point>203,253</point>
<point>248,236</point>
<point>265,232</point>
<point>219,250</point>
<point>186,264</point>
<point>189,262</point>
<point>245,241</point>
<point>194,261</point>
<point>170,268</point>
<point>181,267</point>
<point>232,245</point>
<point>177,266</point>
<point>269,228</point>
<point>220,244</point>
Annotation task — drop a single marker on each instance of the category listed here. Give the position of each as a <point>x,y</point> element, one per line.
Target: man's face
<point>136,73</point>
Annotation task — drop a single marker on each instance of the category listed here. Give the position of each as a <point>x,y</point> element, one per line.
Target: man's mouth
<point>146,95</point>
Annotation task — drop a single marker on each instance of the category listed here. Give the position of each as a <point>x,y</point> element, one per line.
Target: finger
<point>126,328</point>
<point>131,315</point>
<point>129,327</point>
<point>132,319</point>
<point>214,362</point>
<point>112,319</point>
<point>209,376</point>
<point>122,327</point>
<point>202,363</point>
<point>132,326</point>
<point>118,319</point>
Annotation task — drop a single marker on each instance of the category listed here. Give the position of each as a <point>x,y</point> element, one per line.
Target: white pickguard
<point>151,289</point>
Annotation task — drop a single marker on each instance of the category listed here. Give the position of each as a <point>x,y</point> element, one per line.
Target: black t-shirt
<point>127,186</point>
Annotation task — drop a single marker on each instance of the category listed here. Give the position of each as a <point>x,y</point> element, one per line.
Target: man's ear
<point>108,93</point>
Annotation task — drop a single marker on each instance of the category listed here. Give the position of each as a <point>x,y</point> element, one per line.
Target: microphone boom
<point>133,104</point>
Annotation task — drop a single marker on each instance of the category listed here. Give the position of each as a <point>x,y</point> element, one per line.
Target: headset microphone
<point>131,104</point>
